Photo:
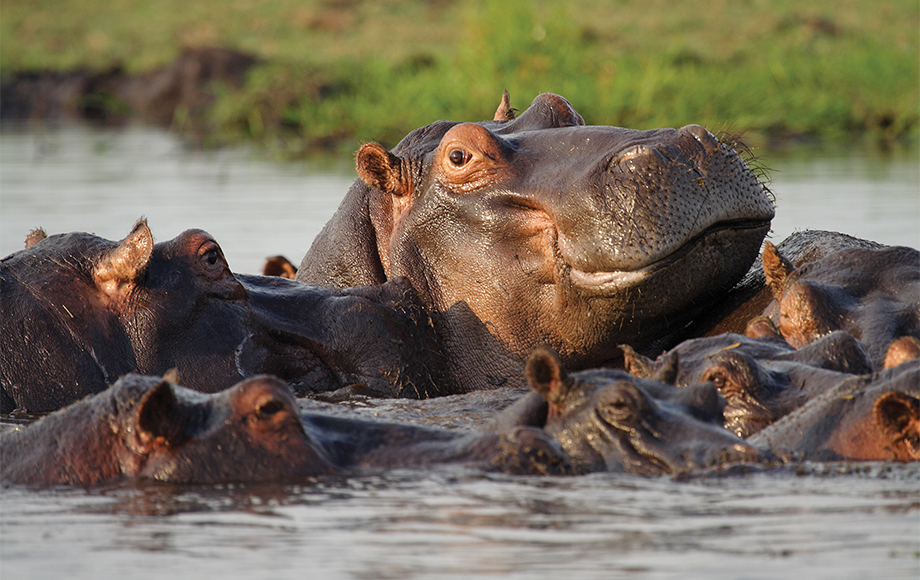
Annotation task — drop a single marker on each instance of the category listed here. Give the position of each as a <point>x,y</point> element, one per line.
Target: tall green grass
<point>344,71</point>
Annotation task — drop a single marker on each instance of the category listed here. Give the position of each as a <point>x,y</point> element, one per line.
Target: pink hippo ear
<point>379,168</point>
<point>504,111</point>
<point>35,236</point>
<point>776,269</point>
<point>546,376</point>
<point>117,271</point>
<point>898,416</point>
<point>160,418</point>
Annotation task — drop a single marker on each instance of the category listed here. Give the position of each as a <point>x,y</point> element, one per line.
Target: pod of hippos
<point>612,278</point>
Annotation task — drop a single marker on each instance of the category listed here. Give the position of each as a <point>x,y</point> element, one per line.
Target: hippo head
<point>870,292</point>
<point>87,310</point>
<point>250,432</point>
<point>148,427</point>
<point>612,421</point>
<point>79,311</point>
<point>554,232</point>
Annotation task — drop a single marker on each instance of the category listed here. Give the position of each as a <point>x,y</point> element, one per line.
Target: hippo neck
<point>476,360</point>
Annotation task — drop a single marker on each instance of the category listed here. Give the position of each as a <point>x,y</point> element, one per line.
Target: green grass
<point>344,71</point>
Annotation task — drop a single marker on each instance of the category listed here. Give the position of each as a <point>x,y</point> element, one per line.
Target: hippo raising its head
<point>548,231</point>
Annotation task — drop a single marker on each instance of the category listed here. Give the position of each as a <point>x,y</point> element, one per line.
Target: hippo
<point>79,311</point>
<point>760,379</point>
<point>608,420</point>
<point>872,293</point>
<point>537,229</point>
<point>873,417</point>
<point>148,428</point>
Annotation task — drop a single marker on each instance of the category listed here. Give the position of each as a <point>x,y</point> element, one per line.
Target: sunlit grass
<point>343,71</point>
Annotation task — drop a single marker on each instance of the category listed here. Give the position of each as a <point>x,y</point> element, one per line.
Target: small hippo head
<point>250,432</point>
<point>149,428</point>
<point>551,231</point>
<point>610,420</point>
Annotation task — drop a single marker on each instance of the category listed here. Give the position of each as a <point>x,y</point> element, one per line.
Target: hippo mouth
<point>614,280</point>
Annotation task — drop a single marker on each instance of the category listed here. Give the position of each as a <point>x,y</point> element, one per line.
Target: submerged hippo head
<point>145,427</point>
<point>760,379</point>
<point>79,311</point>
<point>872,417</point>
<point>609,420</point>
<point>550,231</point>
<point>872,293</point>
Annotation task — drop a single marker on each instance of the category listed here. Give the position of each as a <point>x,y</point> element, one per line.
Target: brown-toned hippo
<point>148,428</point>
<point>872,293</point>
<point>869,417</point>
<point>760,379</point>
<point>607,420</point>
<point>145,427</point>
<point>78,311</point>
<point>542,230</point>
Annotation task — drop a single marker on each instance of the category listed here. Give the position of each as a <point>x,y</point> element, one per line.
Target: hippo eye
<point>269,409</point>
<point>212,257</point>
<point>458,157</point>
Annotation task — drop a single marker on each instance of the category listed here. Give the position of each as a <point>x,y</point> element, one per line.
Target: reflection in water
<point>448,522</point>
<point>809,521</point>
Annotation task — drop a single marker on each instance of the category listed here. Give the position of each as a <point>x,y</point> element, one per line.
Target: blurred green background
<point>339,72</point>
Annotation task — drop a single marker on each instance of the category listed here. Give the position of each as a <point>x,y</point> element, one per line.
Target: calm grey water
<point>814,521</point>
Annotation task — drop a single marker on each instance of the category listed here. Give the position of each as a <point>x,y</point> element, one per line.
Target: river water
<point>810,521</point>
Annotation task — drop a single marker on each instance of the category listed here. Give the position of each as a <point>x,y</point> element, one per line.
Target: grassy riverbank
<point>339,72</point>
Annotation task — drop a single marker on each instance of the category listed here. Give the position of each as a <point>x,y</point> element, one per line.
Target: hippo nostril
<point>632,153</point>
<point>705,138</point>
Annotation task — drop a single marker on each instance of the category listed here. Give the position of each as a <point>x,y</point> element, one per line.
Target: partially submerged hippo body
<point>760,379</point>
<point>535,230</point>
<point>870,417</point>
<point>607,420</point>
<point>872,293</point>
<point>148,428</point>
<point>78,311</point>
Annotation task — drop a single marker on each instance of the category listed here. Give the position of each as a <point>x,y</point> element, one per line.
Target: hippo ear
<point>902,350</point>
<point>545,374</point>
<point>379,168</point>
<point>172,376</point>
<point>35,236</point>
<point>636,364</point>
<point>776,268</point>
<point>279,266</point>
<point>898,415</point>
<point>664,370</point>
<point>160,417</point>
<point>504,111</point>
<point>119,268</point>
<point>761,327</point>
